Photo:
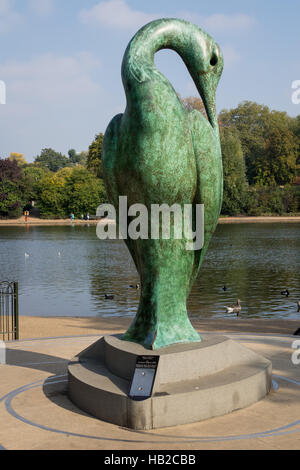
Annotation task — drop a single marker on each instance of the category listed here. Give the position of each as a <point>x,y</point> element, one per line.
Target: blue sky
<point>61,59</point>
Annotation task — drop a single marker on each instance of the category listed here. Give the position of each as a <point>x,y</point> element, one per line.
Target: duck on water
<point>235,308</point>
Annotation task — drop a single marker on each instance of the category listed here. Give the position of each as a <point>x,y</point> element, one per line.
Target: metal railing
<point>9,311</point>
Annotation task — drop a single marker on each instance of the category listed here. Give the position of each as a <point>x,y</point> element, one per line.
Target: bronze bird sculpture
<point>158,153</point>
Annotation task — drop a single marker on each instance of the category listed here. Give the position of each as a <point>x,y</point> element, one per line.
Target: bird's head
<point>200,53</point>
<point>204,61</point>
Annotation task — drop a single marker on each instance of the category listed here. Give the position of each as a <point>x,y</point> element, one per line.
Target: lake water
<point>255,261</point>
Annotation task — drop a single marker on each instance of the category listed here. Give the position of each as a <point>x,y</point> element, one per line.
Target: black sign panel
<point>143,377</point>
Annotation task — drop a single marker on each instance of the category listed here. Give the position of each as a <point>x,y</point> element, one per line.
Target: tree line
<point>55,185</point>
<point>261,162</point>
<point>261,159</point>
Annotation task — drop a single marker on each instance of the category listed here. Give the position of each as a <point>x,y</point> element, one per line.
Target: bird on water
<point>285,292</point>
<point>109,297</point>
<point>235,308</point>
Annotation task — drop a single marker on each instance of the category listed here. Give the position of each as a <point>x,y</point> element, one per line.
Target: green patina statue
<point>158,152</point>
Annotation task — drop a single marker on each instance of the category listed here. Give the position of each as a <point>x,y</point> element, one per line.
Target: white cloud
<point>116,14</point>
<point>52,101</point>
<point>220,23</point>
<point>42,7</point>
<point>49,78</point>
<point>9,19</point>
<point>229,23</point>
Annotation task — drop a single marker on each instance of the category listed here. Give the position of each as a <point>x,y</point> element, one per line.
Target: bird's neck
<point>138,63</point>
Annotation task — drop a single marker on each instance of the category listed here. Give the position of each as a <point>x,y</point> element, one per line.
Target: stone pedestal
<point>193,382</point>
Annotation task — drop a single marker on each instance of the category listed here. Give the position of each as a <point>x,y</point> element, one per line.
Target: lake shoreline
<point>68,222</point>
<point>260,219</point>
<point>48,222</point>
<point>46,327</point>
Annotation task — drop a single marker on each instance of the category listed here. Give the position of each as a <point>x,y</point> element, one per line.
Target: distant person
<point>72,217</point>
<point>87,216</point>
<point>82,217</point>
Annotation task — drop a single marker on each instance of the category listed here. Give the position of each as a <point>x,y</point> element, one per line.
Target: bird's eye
<point>214,59</point>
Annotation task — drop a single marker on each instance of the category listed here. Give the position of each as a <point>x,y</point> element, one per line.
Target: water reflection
<point>69,271</point>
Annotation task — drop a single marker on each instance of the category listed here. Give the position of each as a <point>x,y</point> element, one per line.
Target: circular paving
<point>162,436</point>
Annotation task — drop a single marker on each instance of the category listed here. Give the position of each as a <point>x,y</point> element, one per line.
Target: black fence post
<point>16,310</point>
<point>9,310</point>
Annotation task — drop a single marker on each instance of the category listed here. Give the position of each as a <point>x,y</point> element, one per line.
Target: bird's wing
<point>111,144</point>
<point>207,151</point>
<point>111,167</point>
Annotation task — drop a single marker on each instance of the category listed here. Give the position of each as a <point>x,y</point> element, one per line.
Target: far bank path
<point>222,220</point>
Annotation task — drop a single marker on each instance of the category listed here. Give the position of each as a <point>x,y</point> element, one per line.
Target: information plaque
<point>143,377</point>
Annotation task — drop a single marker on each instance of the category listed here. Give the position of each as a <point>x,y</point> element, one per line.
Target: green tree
<point>83,156</point>
<point>85,192</point>
<point>11,190</point>
<point>73,156</point>
<point>235,182</point>
<point>265,201</point>
<point>52,160</point>
<point>278,163</point>
<point>78,158</point>
<point>18,157</point>
<point>52,197</point>
<point>11,201</point>
<point>296,131</point>
<point>256,125</point>
<point>70,190</point>
<point>32,175</point>
<point>94,157</point>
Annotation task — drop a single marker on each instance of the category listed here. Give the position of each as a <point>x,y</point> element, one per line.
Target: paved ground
<point>39,327</point>
<point>36,413</point>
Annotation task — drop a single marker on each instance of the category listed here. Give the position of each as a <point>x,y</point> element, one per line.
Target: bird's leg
<point>162,317</point>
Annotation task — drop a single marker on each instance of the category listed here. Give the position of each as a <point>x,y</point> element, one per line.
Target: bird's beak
<point>206,80</point>
<point>206,85</point>
<point>208,94</point>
